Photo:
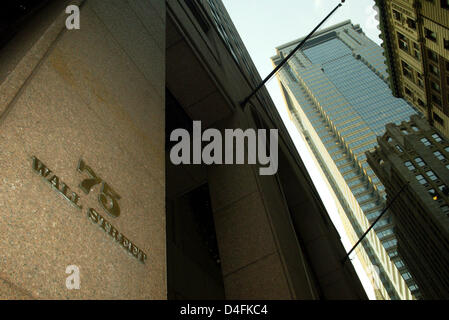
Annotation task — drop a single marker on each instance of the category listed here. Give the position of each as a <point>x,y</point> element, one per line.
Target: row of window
<point>418,160</point>
<point>368,206</point>
<point>385,233</point>
<point>403,44</point>
<point>435,137</point>
<point>390,243</point>
<point>342,162</point>
<point>355,182</point>
<point>430,174</point>
<point>365,197</point>
<point>359,190</point>
<point>382,222</point>
<point>362,141</point>
<point>364,148</point>
<point>426,142</point>
<point>373,215</point>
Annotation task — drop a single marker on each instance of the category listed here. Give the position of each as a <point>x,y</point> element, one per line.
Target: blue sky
<point>265,24</point>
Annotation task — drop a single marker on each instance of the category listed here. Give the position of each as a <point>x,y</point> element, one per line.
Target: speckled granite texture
<point>97,94</point>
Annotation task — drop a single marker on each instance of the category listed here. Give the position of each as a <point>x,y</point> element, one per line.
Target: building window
<point>434,70</point>
<point>363,198</point>
<point>437,137</point>
<point>431,35</point>
<point>421,179</point>
<point>432,55</point>
<point>384,233</point>
<point>445,4</point>
<point>402,42</point>
<point>435,86</point>
<point>411,23</point>
<point>446,44</point>
<point>433,194</point>
<point>439,155</point>
<point>443,188</point>
<point>399,264</point>
<point>415,128</point>
<point>406,276</point>
<point>431,175</point>
<point>438,119</point>
<point>445,209</point>
<point>399,148</point>
<point>416,51</point>
<point>409,165</point>
<point>436,99</point>
<point>426,142</point>
<point>393,254</point>
<point>368,206</point>
<point>420,79</point>
<point>345,169</point>
<point>389,244</point>
<point>420,162</point>
<point>406,70</point>
<point>408,92</point>
<point>381,223</point>
<point>350,175</point>
<point>396,15</point>
<point>413,287</point>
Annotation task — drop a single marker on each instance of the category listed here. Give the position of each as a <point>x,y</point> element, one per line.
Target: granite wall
<point>95,94</point>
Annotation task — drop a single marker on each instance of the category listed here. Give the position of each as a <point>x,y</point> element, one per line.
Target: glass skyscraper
<point>337,94</point>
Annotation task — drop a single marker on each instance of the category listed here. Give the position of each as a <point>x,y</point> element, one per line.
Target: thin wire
<point>282,63</point>
<point>377,219</point>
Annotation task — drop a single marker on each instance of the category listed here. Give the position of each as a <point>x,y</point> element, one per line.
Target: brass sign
<point>107,198</point>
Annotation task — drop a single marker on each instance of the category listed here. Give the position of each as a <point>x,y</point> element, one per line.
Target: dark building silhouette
<point>416,154</point>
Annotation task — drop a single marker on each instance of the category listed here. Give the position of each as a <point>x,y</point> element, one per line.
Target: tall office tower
<point>416,42</point>
<point>415,153</point>
<point>337,94</point>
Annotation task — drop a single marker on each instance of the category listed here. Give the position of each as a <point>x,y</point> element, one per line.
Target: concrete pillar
<point>255,263</point>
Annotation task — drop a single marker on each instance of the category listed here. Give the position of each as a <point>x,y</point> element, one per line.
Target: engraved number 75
<point>108,198</point>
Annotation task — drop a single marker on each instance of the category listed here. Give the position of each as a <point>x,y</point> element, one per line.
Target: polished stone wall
<point>95,94</point>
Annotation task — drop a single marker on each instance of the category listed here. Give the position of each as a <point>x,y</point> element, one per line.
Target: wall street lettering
<point>108,199</point>
<point>107,227</point>
<point>41,169</point>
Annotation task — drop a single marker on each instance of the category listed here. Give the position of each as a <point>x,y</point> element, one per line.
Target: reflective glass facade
<point>339,80</point>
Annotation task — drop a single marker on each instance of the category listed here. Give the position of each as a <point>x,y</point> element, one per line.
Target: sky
<point>265,24</point>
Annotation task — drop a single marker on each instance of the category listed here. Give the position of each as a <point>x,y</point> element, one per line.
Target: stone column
<point>95,94</point>
<point>255,262</point>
